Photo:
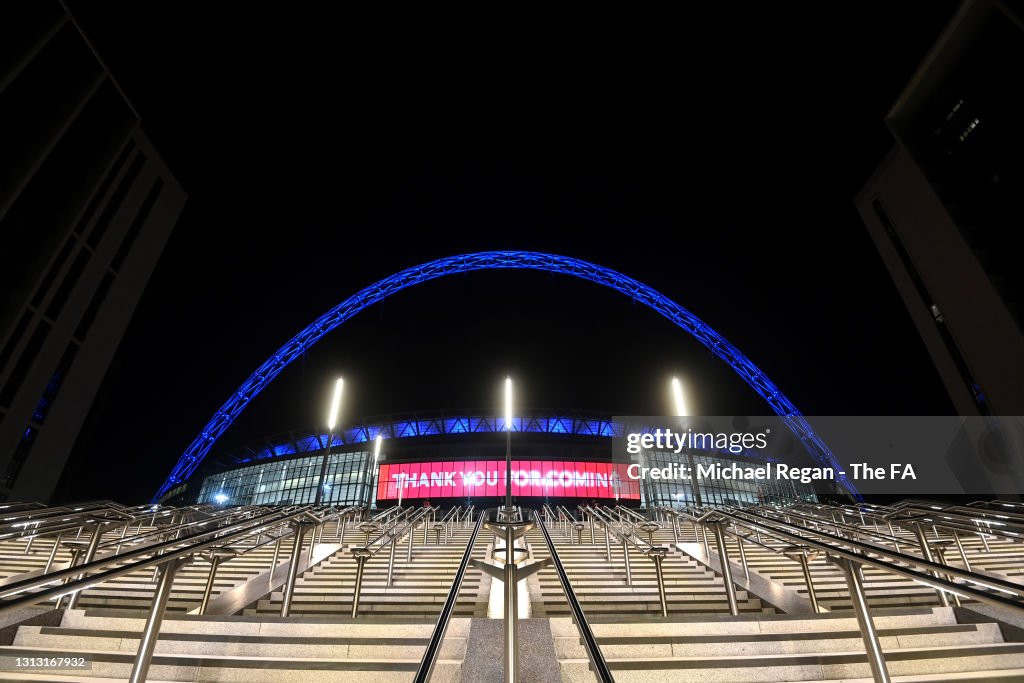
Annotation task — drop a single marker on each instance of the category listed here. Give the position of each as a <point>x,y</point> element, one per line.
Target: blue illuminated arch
<point>492,260</point>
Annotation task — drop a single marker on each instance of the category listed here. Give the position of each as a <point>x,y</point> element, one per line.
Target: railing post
<point>803,555</point>
<point>391,561</point>
<point>926,552</point>
<point>743,555</point>
<point>293,569</point>
<point>90,554</point>
<point>53,552</point>
<point>75,552</point>
<point>362,555</point>
<point>607,542</point>
<point>124,531</point>
<point>408,547</point>
<point>855,586</point>
<point>984,539</point>
<point>657,555</point>
<point>940,550</point>
<point>960,547</point>
<point>723,557</point>
<point>579,533</point>
<point>273,562</point>
<point>216,556</point>
<point>892,532</point>
<point>625,558</point>
<point>150,632</point>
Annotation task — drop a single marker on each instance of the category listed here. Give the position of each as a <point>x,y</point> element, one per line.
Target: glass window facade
<point>294,481</point>
<point>739,493</point>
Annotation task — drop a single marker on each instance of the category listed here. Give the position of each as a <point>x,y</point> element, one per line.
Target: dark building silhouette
<point>946,207</point>
<point>86,206</point>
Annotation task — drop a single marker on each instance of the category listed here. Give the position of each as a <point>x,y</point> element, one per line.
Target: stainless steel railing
<point>801,554</point>
<point>625,534</point>
<point>851,554</point>
<point>389,538</point>
<point>597,661</point>
<point>433,648</point>
<point>168,556</point>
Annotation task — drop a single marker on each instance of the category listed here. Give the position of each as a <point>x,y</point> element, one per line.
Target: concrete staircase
<point>135,590</point>
<point>698,641</point>
<point>418,589</point>
<point>15,560</point>
<point>602,587</point>
<point>920,644</point>
<point>254,650</point>
<point>883,588</point>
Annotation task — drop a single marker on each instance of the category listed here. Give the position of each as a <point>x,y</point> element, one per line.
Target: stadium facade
<point>447,458</point>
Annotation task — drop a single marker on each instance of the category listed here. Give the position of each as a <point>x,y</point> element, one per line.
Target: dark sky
<point>713,155</point>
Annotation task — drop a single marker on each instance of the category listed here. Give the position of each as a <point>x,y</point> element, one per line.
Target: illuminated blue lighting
<point>221,498</point>
<point>498,260</point>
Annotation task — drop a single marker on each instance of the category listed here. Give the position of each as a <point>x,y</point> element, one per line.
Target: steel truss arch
<point>499,260</point>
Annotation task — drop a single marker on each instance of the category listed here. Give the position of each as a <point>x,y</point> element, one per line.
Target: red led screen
<point>467,478</point>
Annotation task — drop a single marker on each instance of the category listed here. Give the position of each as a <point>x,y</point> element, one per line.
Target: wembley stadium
<point>460,458</point>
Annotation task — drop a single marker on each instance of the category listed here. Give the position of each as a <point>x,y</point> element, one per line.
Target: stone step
<point>806,667</point>
<point>383,645</point>
<point>229,668</point>
<point>113,620</point>
<point>773,623</point>
<point>785,643</point>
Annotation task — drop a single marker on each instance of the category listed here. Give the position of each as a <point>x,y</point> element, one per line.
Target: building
<point>946,207</point>
<point>460,458</point>
<point>86,206</point>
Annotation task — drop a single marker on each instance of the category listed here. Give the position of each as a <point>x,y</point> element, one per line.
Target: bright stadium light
<point>370,470</point>
<point>677,395</point>
<point>508,445</point>
<point>508,403</point>
<point>680,410</point>
<point>332,417</point>
<point>221,498</point>
<point>332,420</point>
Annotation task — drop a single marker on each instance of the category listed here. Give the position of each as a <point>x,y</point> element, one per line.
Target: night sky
<point>712,155</point>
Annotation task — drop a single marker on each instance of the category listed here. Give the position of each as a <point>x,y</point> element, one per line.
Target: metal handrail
<point>850,554</point>
<point>590,643</point>
<point>914,524</point>
<point>720,531</point>
<point>632,513</point>
<point>837,525</point>
<point>221,554</point>
<point>384,515</point>
<point>389,538</point>
<point>227,515</point>
<point>433,648</point>
<point>39,530</point>
<point>919,570</point>
<point>970,517</point>
<point>655,553</point>
<point>199,542</point>
<point>622,535</point>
